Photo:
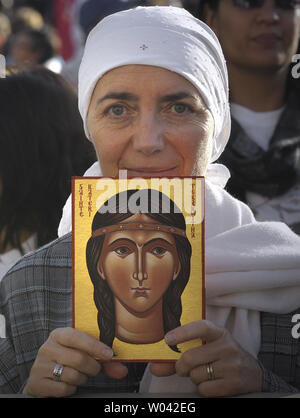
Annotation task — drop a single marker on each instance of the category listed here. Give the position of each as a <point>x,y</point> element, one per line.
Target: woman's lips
<point>268,39</point>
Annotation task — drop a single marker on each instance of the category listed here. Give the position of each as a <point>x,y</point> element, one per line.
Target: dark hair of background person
<point>103,296</point>
<point>42,144</point>
<point>193,6</point>
<point>5,30</point>
<point>92,11</point>
<point>199,10</point>
<point>39,44</point>
<point>26,17</point>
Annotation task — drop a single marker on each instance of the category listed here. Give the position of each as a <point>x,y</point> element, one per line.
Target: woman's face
<point>22,52</point>
<point>139,265</point>
<point>151,122</point>
<point>265,37</point>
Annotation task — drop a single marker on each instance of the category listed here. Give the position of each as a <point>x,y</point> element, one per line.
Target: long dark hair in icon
<point>103,296</point>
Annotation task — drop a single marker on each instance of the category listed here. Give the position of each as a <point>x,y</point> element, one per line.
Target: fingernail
<point>107,353</point>
<point>170,338</point>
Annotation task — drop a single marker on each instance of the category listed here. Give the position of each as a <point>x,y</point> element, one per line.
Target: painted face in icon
<point>139,266</point>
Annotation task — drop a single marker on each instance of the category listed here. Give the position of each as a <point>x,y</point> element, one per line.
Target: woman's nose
<point>268,12</point>
<point>148,135</point>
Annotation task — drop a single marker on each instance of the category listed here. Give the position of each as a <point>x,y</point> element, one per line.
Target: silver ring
<point>57,372</point>
<point>210,371</point>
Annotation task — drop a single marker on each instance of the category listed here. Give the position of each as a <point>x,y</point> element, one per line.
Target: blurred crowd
<point>52,32</point>
<point>42,42</point>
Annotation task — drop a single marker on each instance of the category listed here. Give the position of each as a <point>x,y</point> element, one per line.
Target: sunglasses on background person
<point>254,4</point>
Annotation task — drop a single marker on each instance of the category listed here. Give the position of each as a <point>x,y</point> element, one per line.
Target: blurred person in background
<point>259,40</point>
<point>34,41</point>
<point>42,144</point>
<point>88,13</point>
<point>5,30</point>
<point>92,11</point>
<point>27,17</point>
<point>192,6</point>
<point>29,47</point>
<point>19,19</point>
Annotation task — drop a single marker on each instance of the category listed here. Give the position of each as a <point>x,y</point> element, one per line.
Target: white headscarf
<point>250,266</point>
<point>167,37</point>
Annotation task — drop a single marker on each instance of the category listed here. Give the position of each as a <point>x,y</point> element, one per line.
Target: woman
<point>153,95</point>
<point>29,47</point>
<point>41,137</point>
<point>158,271</point>
<point>264,146</point>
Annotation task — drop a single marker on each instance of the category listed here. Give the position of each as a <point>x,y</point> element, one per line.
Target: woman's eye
<point>158,251</point>
<point>180,108</point>
<point>117,110</point>
<point>122,251</point>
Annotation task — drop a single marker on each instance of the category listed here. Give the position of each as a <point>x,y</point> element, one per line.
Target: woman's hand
<point>80,355</point>
<point>234,370</point>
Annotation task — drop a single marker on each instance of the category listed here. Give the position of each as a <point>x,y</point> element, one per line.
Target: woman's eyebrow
<point>122,95</point>
<point>173,97</point>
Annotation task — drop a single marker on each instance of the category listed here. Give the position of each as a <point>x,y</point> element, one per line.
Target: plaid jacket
<point>36,298</point>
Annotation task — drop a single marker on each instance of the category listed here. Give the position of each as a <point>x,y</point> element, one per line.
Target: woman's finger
<point>42,384</point>
<point>204,330</point>
<point>215,388</point>
<point>114,370</point>
<point>198,356</point>
<point>49,388</point>
<point>69,375</point>
<point>162,369</point>
<point>207,373</point>
<point>72,338</point>
<point>77,360</point>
